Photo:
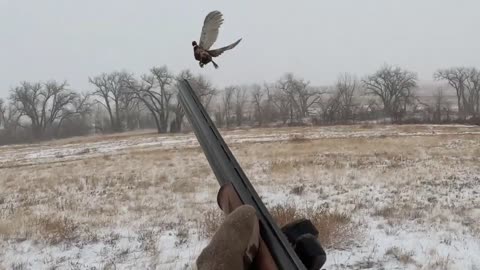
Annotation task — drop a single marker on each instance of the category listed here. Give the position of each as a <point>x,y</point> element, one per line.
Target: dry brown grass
<point>287,166</point>
<point>336,230</point>
<point>358,153</point>
<point>438,262</point>
<point>367,126</point>
<point>145,188</point>
<point>48,229</point>
<point>283,214</point>
<point>212,218</point>
<point>19,266</point>
<point>385,212</point>
<point>298,138</point>
<point>147,241</point>
<point>395,212</point>
<point>338,161</point>
<point>403,256</point>
<point>105,137</point>
<point>182,235</point>
<point>298,190</point>
<point>89,192</point>
<point>57,230</point>
<point>183,186</point>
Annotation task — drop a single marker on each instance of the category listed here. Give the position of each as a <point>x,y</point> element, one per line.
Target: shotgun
<point>292,247</point>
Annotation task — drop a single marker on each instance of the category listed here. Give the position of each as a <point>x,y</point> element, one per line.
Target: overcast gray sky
<point>72,40</point>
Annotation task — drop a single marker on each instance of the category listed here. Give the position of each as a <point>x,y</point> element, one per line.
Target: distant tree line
<point>121,101</point>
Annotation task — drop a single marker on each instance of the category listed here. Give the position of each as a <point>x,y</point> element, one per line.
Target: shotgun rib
<point>228,171</point>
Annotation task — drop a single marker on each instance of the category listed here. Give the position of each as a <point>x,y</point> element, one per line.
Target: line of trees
<point>121,101</point>
<point>466,82</point>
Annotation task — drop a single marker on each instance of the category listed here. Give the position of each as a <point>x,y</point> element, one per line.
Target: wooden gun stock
<point>228,201</point>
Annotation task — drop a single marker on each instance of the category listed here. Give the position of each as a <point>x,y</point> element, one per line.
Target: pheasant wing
<point>210,28</point>
<point>219,51</point>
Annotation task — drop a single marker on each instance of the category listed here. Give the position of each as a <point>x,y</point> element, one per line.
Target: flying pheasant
<point>209,35</point>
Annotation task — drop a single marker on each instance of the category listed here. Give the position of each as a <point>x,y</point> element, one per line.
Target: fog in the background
<point>72,40</point>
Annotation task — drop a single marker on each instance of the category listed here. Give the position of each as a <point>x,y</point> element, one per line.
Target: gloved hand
<point>235,244</point>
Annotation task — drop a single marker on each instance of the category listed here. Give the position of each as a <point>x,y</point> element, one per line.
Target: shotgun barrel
<point>228,171</point>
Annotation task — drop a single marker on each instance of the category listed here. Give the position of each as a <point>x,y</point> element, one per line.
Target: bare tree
<point>332,107</point>
<point>346,87</point>
<point>394,87</point>
<point>3,112</point>
<point>269,112</point>
<point>265,100</point>
<point>142,91</point>
<point>441,106</point>
<point>258,95</point>
<point>280,100</point>
<point>204,90</point>
<point>9,122</point>
<point>164,79</point>
<point>129,105</point>
<point>76,118</point>
<point>240,101</point>
<point>176,124</point>
<point>81,105</point>
<point>339,106</point>
<point>101,118</point>
<point>43,104</point>
<point>372,109</point>
<point>202,87</point>
<point>114,94</point>
<point>301,97</point>
<point>155,92</point>
<point>457,78</point>
<point>466,82</point>
<point>473,92</point>
<point>9,116</point>
<point>227,100</point>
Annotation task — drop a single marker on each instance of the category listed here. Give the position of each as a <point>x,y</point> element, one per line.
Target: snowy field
<point>383,197</point>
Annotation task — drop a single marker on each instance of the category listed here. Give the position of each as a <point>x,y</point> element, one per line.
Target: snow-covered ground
<point>411,195</point>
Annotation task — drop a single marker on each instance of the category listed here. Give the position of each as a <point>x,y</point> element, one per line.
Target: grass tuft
<point>336,230</point>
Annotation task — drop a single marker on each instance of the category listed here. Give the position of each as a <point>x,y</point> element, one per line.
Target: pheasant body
<point>202,52</point>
